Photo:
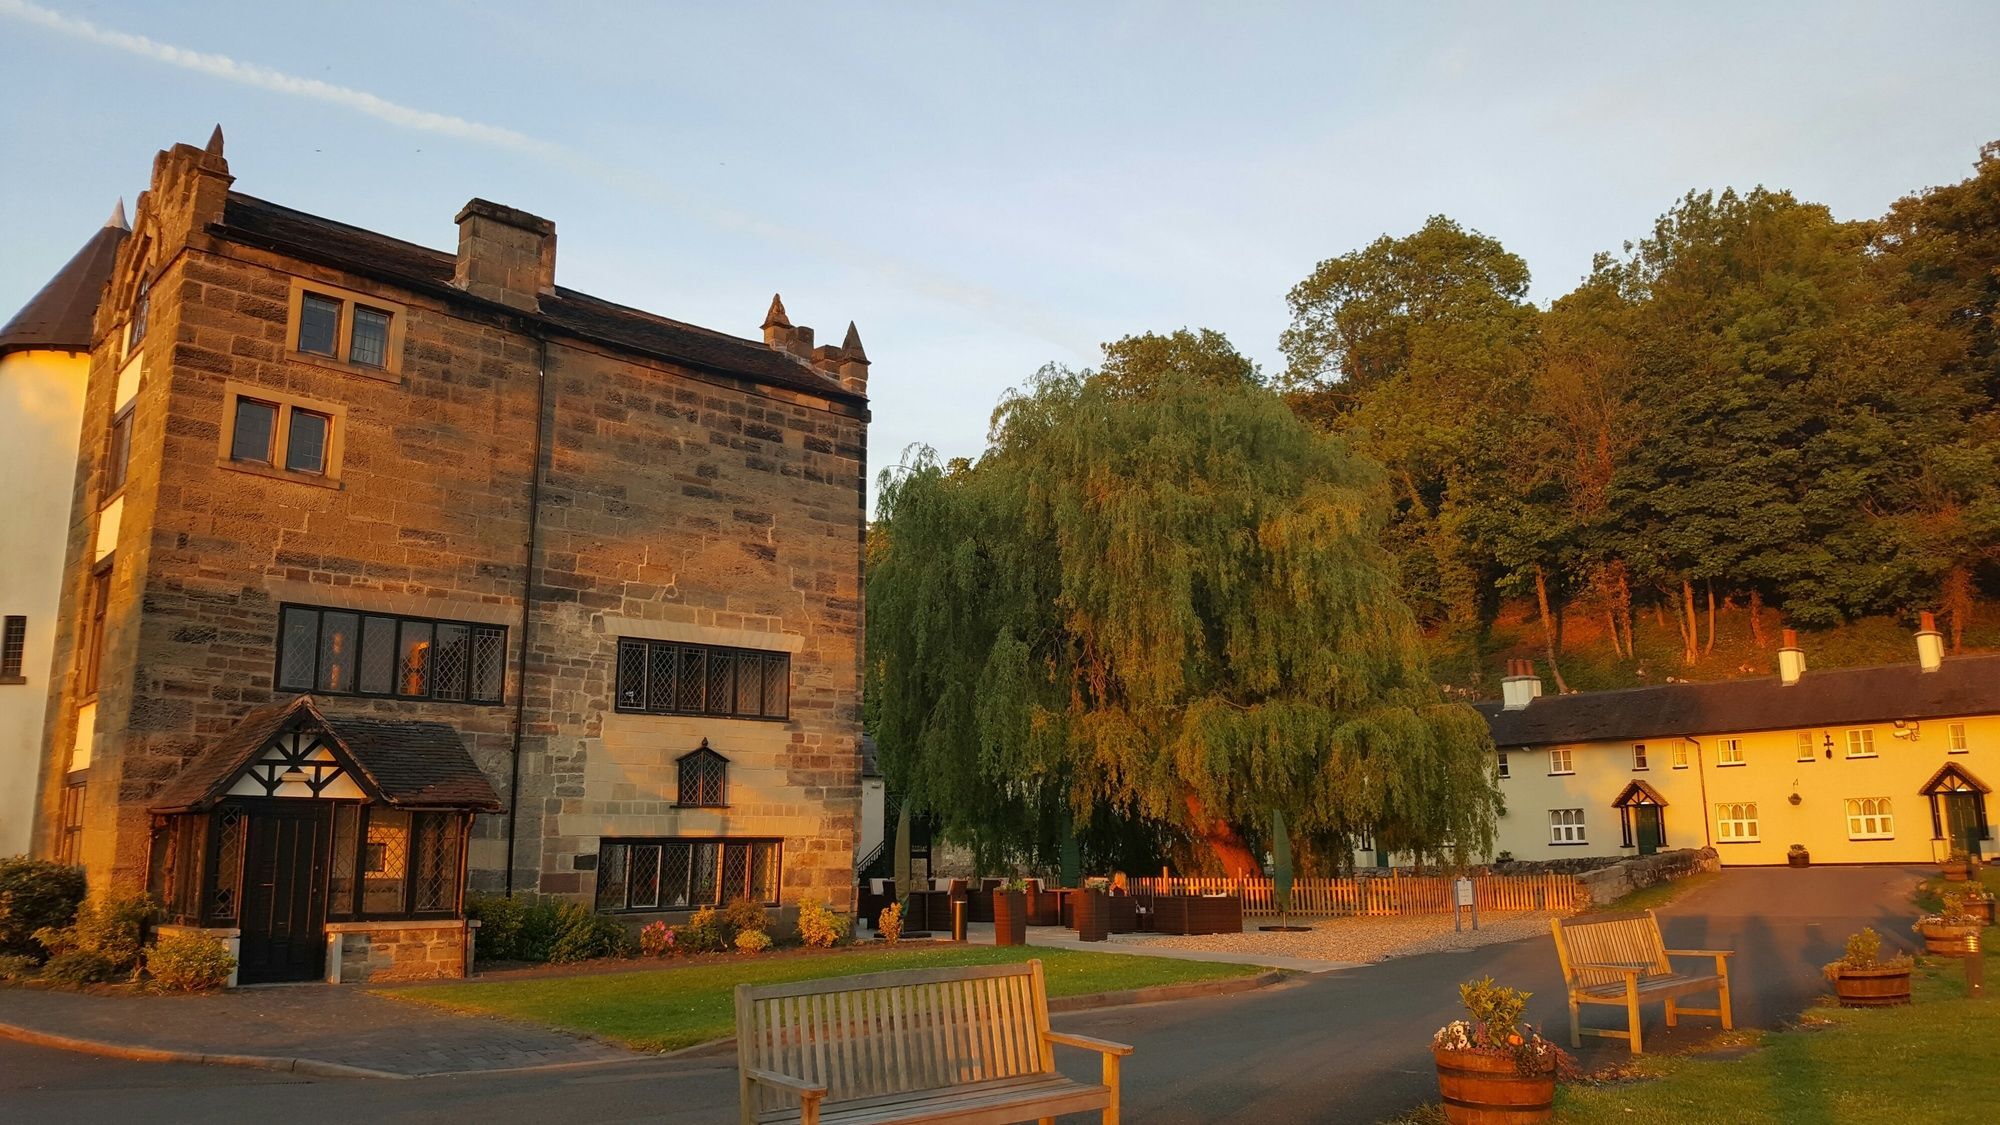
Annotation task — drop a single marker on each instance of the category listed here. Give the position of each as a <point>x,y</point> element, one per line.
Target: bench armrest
<point>1101,1046</point>
<point>807,1091</point>
<point>1701,953</point>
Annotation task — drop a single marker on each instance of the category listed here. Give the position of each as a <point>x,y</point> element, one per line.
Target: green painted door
<point>1647,828</point>
<point>1961,821</point>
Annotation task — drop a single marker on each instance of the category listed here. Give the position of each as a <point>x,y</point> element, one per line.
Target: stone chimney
<point>1520,686</point>
<point>1930,642</point>
<point>505,255</point>
<point>1791,659</point>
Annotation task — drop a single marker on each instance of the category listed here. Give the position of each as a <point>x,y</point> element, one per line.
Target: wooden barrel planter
<point>1010,917</point>
<point>1955,870</point>
<point>1950,941</point>
<point>1981,909</point>
<point>1872,988</point>
<point>1091,911</point>
<point>1486,1089</point>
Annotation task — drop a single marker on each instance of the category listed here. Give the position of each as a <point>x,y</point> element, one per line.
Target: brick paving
<point>341,1026</point>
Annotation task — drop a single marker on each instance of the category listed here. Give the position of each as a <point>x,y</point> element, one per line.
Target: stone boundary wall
<point>1608,884</point>
<point>361,952</point>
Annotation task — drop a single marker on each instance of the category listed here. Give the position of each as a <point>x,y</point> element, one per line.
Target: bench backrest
<point>892,1033</point>
<point>1632,939</point>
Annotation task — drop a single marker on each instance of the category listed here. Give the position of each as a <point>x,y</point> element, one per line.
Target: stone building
<point>44,363</point>
<point>421,570</point>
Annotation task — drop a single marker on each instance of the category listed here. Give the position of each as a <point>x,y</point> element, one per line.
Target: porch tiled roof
<point>1963,685</point>
<point>406,763</point>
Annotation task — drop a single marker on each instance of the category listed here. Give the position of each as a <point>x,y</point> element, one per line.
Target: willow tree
<point>1160,595</point>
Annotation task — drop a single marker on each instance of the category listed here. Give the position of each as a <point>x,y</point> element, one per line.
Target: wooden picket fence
<point>1393,893</point>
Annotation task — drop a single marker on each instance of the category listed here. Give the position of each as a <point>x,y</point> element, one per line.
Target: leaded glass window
<point>681,874</point>
<point>340,652</point>
<point>670,678</point>
<point>704,779</point>
<point>385,861</point>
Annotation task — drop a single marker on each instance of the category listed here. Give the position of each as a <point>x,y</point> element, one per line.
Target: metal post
<point>1975,967</point>
<point>958,919</point>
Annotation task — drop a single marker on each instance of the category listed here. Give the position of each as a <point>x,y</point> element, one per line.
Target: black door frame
<point>261,815</point>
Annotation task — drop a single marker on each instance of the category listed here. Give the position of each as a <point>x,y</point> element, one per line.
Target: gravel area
<point>1359,939</point>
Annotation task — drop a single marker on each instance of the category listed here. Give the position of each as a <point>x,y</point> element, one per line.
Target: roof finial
<point>776,317</point>
<point>852,345</point>
<point>117,219</point>
<point>215,141</point>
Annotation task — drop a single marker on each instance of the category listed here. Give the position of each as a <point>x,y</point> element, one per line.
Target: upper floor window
<point>1806,750</point>
<point>1503,763</point>
<point>142,307</point>
<point>1729,752</point>
<point>353,329</point>
<point>703,779</point>
<point>1566,826</point>
<point>1861,743</point>
<point>1680,755</point>
<point>282,433</point>
<point>1954,739</point>
<point>670,678</point>
<point>1638,755</point>
<point>118,455</point>
<point>13,650</point>
<point>343,652</point>
<point>91,651</point>
<point>1560,761</point>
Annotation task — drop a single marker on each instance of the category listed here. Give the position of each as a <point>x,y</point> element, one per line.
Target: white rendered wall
<point>41,415</point>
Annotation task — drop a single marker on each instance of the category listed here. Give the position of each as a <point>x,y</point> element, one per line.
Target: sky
<point>986,188</point>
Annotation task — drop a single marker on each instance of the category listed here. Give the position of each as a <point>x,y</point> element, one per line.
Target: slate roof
<point>405,763</point>
<point>1963,685</point>
<point>58,318</point>
<point>256,222</point>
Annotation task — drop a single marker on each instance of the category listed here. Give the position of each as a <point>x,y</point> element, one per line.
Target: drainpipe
<point>1701,773</point>
<point>527,599</point>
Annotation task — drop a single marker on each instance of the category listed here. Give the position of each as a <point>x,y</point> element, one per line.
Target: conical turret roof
<point>59,317</point>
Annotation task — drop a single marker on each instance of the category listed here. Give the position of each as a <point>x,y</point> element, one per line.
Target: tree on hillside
<point>1159,596</point>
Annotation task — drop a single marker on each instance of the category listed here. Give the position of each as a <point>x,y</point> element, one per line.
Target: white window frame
<point>1870,818</point>
<point>1736,823</point>
<point>1807,751</point>
<point>1639,757</point>
<point>1729,752</point>
<point>1503,766</point>
<point>1955,740</point>
<point>1566,827</point>
<point>1864,738</point>
<point>1567,761</point>
<point>1680,755</point>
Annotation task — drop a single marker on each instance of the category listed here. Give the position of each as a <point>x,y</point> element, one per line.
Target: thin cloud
<point>1028,317</point>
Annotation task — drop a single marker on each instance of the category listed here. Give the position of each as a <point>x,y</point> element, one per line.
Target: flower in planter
<point>1957,909</point>
<point>1496,1029</point>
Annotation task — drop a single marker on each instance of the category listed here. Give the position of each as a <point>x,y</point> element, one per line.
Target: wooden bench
<point>1619,960</point>
<point>966,1045</point>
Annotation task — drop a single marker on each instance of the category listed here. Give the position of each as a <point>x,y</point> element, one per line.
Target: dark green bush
<point>522,929</point>
<point>189,963</point>
<point>499,925</point>
<point>708,932</point>
<point>112,928</point>
<point>582,935</point>
<point>74,968</point>
<point>746,914</point>
<point>35,895</point>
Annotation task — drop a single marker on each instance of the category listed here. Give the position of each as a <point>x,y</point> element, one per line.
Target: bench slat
<point>977,1105</point>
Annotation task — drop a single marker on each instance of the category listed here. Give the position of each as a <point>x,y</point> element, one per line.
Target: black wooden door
<point>284,892</point>
<point>1646,820</point>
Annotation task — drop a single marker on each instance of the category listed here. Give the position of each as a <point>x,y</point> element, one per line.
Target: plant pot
<point>1010,918</point>
<point>1488,1089</point>
<point>1799,859</point>
<point>1091,911</point>
<point>1949,940</point>
<point>1872,988</point>
<point>1982,910</point>
<point>1955,870</point>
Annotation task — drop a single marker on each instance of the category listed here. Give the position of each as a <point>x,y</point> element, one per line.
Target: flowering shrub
<point>819,926</point>
<point>1496,1029</point>
<point>707,932</point>
<point>890,924</point>
<point>658,940</point>
<point>752,941</point>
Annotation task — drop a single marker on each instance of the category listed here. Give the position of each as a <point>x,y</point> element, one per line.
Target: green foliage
<point>1862,949</point>
<point>819,926</point>
<point>745,913</point>
<point>35,894</point>
<point>582,934</point>
<point>189,963</point>
<point>17,966</point>
<point>707,932</point>
<point>1158,598</point>
<point>1495,1011</point>
<point>75,968</point>
<point>658,939</point>
<point>110,929</point>
<point>753,941</point>
<point>890,923</point>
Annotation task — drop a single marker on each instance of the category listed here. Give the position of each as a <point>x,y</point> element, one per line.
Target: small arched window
<point>704,779</point>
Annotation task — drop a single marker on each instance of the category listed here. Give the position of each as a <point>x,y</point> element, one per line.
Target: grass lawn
<point>672,1008</point>
<point>1659,894</point>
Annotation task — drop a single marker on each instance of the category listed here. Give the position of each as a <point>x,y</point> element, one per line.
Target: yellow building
<point>1888,764</point>
<point>44,366</point>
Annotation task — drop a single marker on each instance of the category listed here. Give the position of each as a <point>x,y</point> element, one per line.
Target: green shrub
<point>745,914</point>
<point>582,934</point>
<point>189,963</point>
<point>819,925</point>
<point>74,968</point>
<point>110,928</point>
<point>707,932</point>
<point>35,895</point>
<point>17,966</point>
<point>516,929</point>
<point>753,941</point>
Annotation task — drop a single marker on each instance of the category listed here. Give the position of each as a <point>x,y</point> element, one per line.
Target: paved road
<point>1343,1047</point>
